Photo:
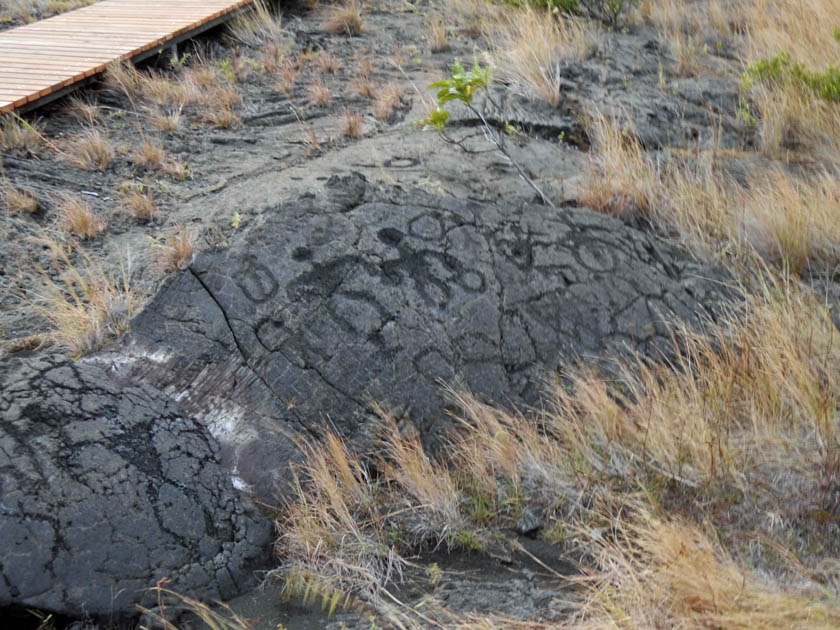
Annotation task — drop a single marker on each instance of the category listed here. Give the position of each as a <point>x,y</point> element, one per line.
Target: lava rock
<point>363,294</point>
<point>105,489</point>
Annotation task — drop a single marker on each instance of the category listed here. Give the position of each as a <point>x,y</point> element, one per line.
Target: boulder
<point>379,295</point>
<point>107,488</point>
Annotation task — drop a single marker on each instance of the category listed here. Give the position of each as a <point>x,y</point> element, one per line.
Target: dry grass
<point>84,304</point>
<point>715,476</point>
<point>164,120</point>
<point>334,528</point>
<point>353,125</point>
<point>18,200</point>
<point>364,87</point>
<point>139,202</point>
<point>437,33</point>
<point>90,150</point>
<point>326,63</point>
<point>257,26</point>
<point>793,123</point>
<point>318,94</point>
<point>221,118</point>
<point>389,101</point>
<point>475,16</point>
<point>345,19</point>
<point>148,154</point>
<point>177,249</point>
<point>17,134</point>
<point>77,217</point>
<point>794,126</point>
<point>788,220</point>
<point>177,170</point>
<point>621,180</point>
<point>532,48</point>
<point>272,57</point>
<point>85,110</point>
<point>670,574</point>
<point>123,77</point>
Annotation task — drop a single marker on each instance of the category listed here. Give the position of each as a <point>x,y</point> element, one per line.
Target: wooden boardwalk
<point>44,60</point>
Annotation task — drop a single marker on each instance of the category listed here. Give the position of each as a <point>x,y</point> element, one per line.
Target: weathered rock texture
<point>104,489</point>
<point>381,295</point>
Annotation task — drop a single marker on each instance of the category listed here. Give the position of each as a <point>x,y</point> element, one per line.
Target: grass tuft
<point>354,124</point>
<point>18,200</point>
<point>345,19</point>
<point>177,249</point>
<point>17,134</point>
<point>139,201</point>
<point>257,26</point>
<point>90,150</point>
<point>318,94</point>
<point>77,217</point>
<point>84,305</point>
<point>534,47</point>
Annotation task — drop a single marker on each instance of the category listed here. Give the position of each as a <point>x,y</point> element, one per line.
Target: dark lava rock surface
<point>105,489</point>
<point>364,294</point>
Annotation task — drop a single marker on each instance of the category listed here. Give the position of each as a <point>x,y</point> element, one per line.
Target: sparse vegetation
<point>77,217</point>
<point>533,48</point>
<point>90,150</point>
<point>438,35</point>
<point>257,26</point>
<point>17,134</point>
<point>697,492</point>
<point>18,200</point>
<point>139,201</point>
<point>786,219</point>
<point>354,124</point>
<point>318,94</point>
<point>84,305</point>
<point>345,19</point>
<point>177,249</point>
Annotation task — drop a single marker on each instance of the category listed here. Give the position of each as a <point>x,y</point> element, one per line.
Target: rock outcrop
<point>331,303</point>
<point>105,489</point>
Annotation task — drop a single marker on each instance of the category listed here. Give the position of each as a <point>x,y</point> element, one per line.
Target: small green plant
<point>227,70</point>
<point>462,86</point>
<point>782,68</point>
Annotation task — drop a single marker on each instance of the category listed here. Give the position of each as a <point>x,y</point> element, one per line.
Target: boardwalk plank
<point>42,59</point>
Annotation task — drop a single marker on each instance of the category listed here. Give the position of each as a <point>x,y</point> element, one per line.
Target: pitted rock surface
<point>104,489</point>
<point>366,295</point>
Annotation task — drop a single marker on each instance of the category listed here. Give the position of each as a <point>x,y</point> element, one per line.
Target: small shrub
<point>823,84</point>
